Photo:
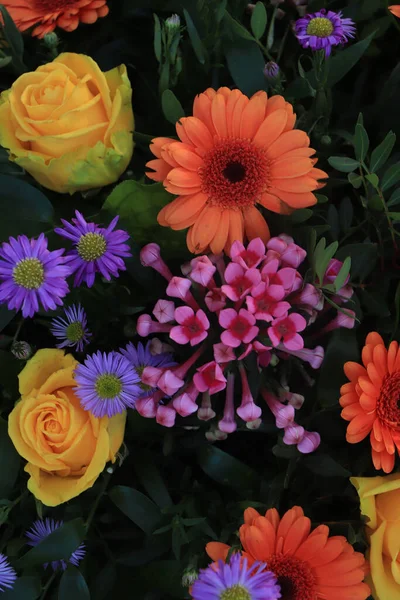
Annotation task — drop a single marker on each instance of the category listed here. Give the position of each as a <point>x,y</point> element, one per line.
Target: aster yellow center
<point>108,386</point>
<point>91,246</point>
<point>74,332</point>
<point>236,592</point>
<point>29,273</point>
<point>320,26</point>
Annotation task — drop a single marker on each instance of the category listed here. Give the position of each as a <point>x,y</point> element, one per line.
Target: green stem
<point>103,487</point>
<point>47,586</point>
<point>19,327</point>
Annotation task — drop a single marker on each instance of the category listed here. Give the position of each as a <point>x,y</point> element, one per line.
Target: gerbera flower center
<point>320,26</point>
<point>91,246</point>
<point>29,273</point>
<point>236,592</point>
<point>388,405</point>
<point>295,577</point>
<point>108,386</point>
<point>234,174</point>
<point>74,332</point>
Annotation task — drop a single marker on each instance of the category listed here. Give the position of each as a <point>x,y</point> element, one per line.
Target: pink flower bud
<point>165,416</point>
<point>345,319</point>
<point>227,423</point>
<point>151,375</point>
<point>223,353</point>
<point>146,407</point>
<point>209,377</point>
<point>248,410</point>
<point>215,300</point>
<point>178,287</point>
<point>295,400</point>
<point>313,356</point>
<point>203,271</point>
<point>169,383</point>
<point>205,412</point>
<point>254,424</point>
<point>184,405</point>
<point>145,325</point>
<point>293,434</point>
<point>309,296</point>
<point>164,311</point>
<point>310,442</point>
<point>150,256</point>
<point>284,415</point>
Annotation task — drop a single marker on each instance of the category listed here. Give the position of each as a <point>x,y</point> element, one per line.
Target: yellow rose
<point>66,447</point>
<point>380,503</point>
<point>69,124</point>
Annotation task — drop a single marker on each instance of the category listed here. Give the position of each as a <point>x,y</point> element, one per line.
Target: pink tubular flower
<point>165,416</point>
<point>240,327</point>
<point>288,278</point>
<point>313,356</point>
<point>286,329</point>
<point>332,271</point>
<point>192,328</point>
<point>265,302</point>
<point>205,412</point>
<point>309,296</point>
<point>239,281</point>
<point>202,271</point>
<point>248,410</point>
<point>291,255</point>
<point>164,311</point>
<point>151,375</point>
<point>309,443</point>
<point>169,383</point>
<point>145,325</point>
<point>210,378</point>
<point>179,287</point>
<point>146,407</point>
<point>223,353</point>
<point>248,257</point>
<point>228,423</point>
<point>284,415</point>
<point>215,300</point>
<point>293,434</point>
<point>185,403</point>
<point>150,256</point>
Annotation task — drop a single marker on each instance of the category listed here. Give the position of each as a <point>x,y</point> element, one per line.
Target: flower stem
<point>48,585</point>
<point>103,487</point>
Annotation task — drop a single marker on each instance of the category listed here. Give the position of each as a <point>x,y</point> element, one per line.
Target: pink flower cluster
<point>257,303</point>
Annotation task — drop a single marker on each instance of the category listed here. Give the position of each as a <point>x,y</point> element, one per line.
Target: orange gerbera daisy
<point>49,14</point>
<point>371,400</point>
<point>395,9</point>
<point>234,152</point>
<point>309,566</point>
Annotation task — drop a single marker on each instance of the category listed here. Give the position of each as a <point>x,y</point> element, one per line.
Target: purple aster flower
<point>7,574</point>
<point>141,357</point>
<point>324,29</point>
<point>107,384</point>
<point>44,527</point>
<point>73,329</point>
<point>32,274</point>
<point>97,250</point>
<point>228,581</point>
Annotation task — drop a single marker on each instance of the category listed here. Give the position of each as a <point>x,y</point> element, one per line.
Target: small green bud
<point>51,40</point>
<point>326,140</point>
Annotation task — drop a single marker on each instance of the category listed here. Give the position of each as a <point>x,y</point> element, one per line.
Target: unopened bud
<point>271,70</point>
<point>189,577</point>
<point>21,350</point>
<point>51,40</point>
<point>173,23</point>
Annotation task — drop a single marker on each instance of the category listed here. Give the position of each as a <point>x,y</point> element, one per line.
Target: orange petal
<point>237,115</point>
<point>184,208</point>
<point>202,111</point>
<point>180,177</point>
<point>293,199</point>
<point>354,370</point>
<point>291,140</point>
<point>184,157</point>
<point>352,410</point>
<point>218,115</point>
<point>374,376</point>
<point>367,386</point>
<point>298,533</point>
<point>160,167</point>
<point>206,227</point>
<point>312,546</point>
<point>297,184</point>
<point>275,103</point>
<point>270,129</point>
<point>333,548</point>
<point>217,550</point>
<point>349,398</point>
<point>361,424</point>
<point>395,9</point>
<point>236,228</point>
<point>230,109</point>
<point>252,117</point>
<point>255,225</point>
<point>290,167</point>
<point>218,243</point>
<point>197,133</point>
<point>380,360</point>
<point>367,354</point>
<point>274,204</point>
<point>157,144</point>
<point>250,514</point>
<point>368,402</point>
<point>392,355</point>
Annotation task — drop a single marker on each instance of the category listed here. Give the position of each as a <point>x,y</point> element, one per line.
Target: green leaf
<point>322,256</point>
<point>258,20</point>
<point>246,64</point>
<point>325,465</point>
<point>343,163</point>
<point>235,29</point>
<point>171,106</point>
<point>138,205</point>
<point>197,44</point>
<point>345,60</point>
<point>343,273</point>
<point>394,198</point>
<point>137,507</point>
<point>102,586</point>
<point>301,215</point>
<point>151,480</point>
<point>25,588</point>
<point>391,177</point>
<point>271,30</point>
<point>382,152</point>
<point>345,214</point>
<point>355,180</point>
<point>373,179</point>
<point>73,585</point>
<point>59,545</point>
<point>361,142</point>
<point>226,469</point>
<point>11,461</point>
<point>363,258</point>
<point>24,209</point>
<point>395,216</point>
<point>157,38</point>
